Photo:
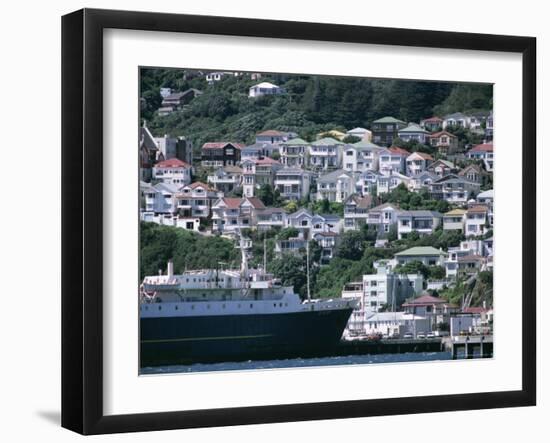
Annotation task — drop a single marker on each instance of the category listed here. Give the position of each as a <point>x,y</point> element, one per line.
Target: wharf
<point>389,346</point>
<point>473,346</point>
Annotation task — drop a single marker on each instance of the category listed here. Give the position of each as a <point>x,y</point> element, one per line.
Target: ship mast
<point>265,257</point>
<point>307,270</point>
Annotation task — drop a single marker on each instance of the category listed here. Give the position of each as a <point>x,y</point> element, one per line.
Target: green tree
<point>266,194</point>
<point>351,246</point>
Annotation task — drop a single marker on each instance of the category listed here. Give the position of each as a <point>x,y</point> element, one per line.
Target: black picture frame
<point>82,187</point>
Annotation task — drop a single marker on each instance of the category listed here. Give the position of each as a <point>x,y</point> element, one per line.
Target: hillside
<point>312,104</point>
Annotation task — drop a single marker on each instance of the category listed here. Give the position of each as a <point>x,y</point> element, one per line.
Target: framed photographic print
<point>271,221</point>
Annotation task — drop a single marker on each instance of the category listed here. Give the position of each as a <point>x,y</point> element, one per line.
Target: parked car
<point>408,335</point>
<point>421,335</point>
<point>430,335</point>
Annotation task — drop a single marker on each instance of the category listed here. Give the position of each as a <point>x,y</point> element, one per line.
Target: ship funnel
<point>170,269</point>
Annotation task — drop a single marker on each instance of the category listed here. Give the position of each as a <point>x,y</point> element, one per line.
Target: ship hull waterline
<point>231,338</point>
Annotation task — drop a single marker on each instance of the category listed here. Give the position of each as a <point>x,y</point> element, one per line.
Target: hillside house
<point>385,130</point>
<point>173,172</point>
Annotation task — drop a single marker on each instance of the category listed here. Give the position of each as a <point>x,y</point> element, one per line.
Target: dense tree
<point>313,104</point>
<point>351,246</point>
<point>188,250</point>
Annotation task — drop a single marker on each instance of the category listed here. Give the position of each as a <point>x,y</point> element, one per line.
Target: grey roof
<point>357,130</point>
<point>453,178</point>
<point>361,202</point>
<point>445,162</point>
<point>166,187</point>
<point>486,194</point>
<point>179,95</point>
<point>384,206</point>
<point>331,176</point>
<point>328,217</point>
<point>271,210</point>
<point>301,211</point>
<point>413,128</point>
<point>326,141</point>
<point>365,145</point>
<point>455,115</point>
<point>420,213</point>
<point>289,170</point>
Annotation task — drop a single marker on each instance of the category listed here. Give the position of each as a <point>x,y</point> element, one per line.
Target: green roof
<point>419,251</point>
<point>413,127</point>
<point>295,141</point>
<point>388,120</point>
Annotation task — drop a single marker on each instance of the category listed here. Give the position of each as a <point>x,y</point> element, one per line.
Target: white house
<point>356,211</point>
<point>309,224</point>
<point>392,160</point>
<point>435,309</point>
<point>231,214</point>
<point>423,222</point>
<point>477,220</point>
<point>428,255</point>
<point>483,152</point>
<point>173,172</point>
<point>456,120</point>
<point>325,154</point>
<point>413,133</point>
<point>195,200</point>
<point>212,77</point>
<point>388,288</point>
<point>265,88</point>
<point>441,168</point>
<point>432,123</point>
<point>160,198</point>
<point>454,220</point>
<point>387,183</point>
<point>258,172</point>
<point>422,180</point>
<point>486,198</point>
<point>274,137</point>
<point>294,153</point>
<point>418,162</point>
<point>336,186</point>
<point>269,218</point>
<point>382,217</point>
<point>474,173</point>
<point>226,179</point>
<point>361,156</point>
<point>396,324</point>
<point>381,290</point>
<point>187,223</point>
<point>362,133</point>
<point>293,183</point>
<point>367,182</point>
<point>454,189</point>
<point>445,142</point>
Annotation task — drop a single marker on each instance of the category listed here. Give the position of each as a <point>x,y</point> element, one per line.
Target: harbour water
<point>300,362</point>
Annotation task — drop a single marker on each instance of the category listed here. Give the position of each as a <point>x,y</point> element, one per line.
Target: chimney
<point>170,269</point>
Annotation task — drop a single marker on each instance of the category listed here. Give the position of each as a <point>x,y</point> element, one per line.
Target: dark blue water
<point>301,362</point>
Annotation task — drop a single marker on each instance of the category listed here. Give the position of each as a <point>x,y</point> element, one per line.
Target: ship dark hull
<point>210,339</point>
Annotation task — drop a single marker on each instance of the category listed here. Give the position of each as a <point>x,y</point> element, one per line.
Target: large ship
<point>222,315</point>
